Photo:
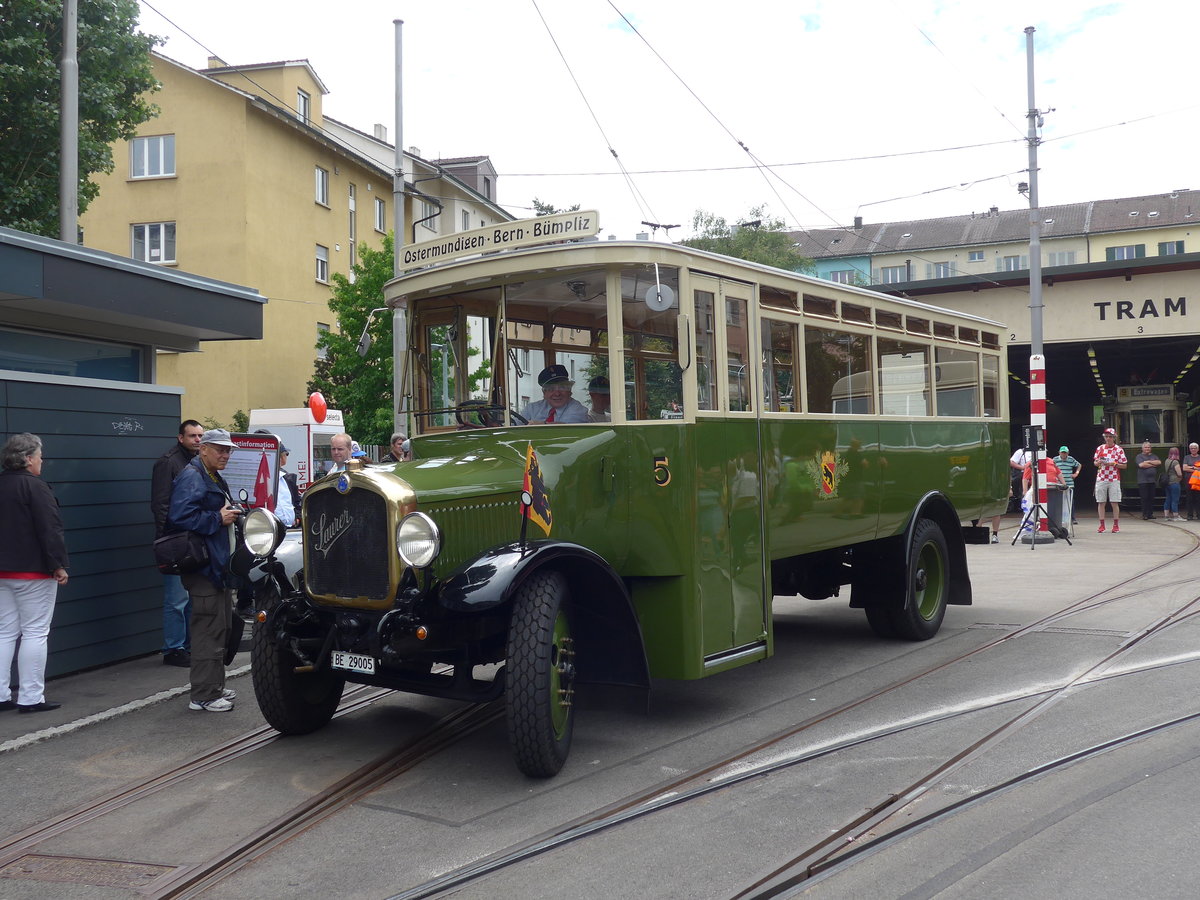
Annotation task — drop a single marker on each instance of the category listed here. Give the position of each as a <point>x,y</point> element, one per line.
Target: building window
<point>842,276</point>
<point>892,275</point>
<point>353,230</point>
<point>380,215</point>
<point>322,350</point>
<point>1013,263</point>
<point>429,215</point>
<point>466,221</point>
<point>1170,248</point>
<point>154,242</point>
<point>152,157</point>
<point>487,187</point>
<point>943,270</point>
<point>322,186</point>
<point>322,264</point>
<point>1129,251</point>
<point>48,354</point>
<point>974,256</point>
<point>1061,258</point>
<point>303,106</point>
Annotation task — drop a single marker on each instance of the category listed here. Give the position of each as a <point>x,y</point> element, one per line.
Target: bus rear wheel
<point>918,615</point>
<point>540,676</point>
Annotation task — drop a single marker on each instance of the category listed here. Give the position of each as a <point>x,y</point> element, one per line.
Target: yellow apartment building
<point>241,178</point>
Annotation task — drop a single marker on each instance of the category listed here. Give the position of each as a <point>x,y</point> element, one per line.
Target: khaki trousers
<point>212,610</point>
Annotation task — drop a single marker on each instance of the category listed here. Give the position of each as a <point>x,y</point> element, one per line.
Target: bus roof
<point>500,266</point>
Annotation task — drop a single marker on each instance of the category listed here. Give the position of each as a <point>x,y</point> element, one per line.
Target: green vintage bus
<point>747,433</point>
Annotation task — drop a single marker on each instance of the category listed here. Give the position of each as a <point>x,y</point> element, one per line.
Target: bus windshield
<point>541,350</point>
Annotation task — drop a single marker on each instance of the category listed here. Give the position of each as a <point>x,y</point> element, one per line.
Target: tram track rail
<point>676,792</point>
<point>17,845</point>
<point>194,880</point>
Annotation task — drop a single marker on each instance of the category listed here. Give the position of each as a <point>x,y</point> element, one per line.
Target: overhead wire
<point>638,198</point>
<point>765,169</point>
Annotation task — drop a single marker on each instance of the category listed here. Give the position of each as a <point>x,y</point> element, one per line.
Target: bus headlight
<point>418,540</point>
<point>262,532</point>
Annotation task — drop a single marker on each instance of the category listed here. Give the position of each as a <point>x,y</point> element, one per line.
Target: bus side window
<point>653,378</point>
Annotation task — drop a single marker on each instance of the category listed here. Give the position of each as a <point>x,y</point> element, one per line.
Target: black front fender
<point>490,579</point>
<point>604,624</point>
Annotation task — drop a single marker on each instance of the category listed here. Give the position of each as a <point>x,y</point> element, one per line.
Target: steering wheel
<point>482,414</point>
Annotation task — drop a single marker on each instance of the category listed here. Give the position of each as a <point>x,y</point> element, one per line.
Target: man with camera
<point>201,503</point>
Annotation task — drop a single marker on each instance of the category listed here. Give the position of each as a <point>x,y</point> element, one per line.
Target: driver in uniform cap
<point>557,404</point>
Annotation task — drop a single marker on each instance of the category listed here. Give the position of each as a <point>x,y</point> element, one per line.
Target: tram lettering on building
<point>1149,308</point>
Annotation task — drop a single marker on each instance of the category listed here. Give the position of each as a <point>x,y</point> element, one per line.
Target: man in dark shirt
<point>176,603</point>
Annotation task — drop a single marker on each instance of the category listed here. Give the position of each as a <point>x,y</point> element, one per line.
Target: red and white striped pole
<point>1037,418</point>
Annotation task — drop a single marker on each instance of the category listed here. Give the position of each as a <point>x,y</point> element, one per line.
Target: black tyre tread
<point>906,620</point>
<point>291,703</point>
<point>535,749</point>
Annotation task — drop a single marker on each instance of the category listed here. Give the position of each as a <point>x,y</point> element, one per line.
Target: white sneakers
<point>229,694</point>
<point>220,704</point>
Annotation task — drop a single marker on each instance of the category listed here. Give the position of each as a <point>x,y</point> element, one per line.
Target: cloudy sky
<point>821,111</point>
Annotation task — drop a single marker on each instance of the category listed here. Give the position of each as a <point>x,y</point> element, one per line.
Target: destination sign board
<point>502,236</point>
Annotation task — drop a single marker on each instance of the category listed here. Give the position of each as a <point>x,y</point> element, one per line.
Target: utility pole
<point>1037,360</point>
<point>68,125</point>
<point>399,316</point>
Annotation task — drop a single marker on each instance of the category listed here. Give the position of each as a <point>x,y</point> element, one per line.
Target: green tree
<point>549,209</point>
<point>361,387</point>
<point>757,238</point>
<point>114,78</point>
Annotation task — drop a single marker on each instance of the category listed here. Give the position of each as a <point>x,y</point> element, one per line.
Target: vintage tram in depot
<point>1147,412</point>
<point>748,433</point>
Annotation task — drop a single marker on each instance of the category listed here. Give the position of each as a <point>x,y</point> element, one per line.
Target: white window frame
<point>1170,248</point>
<point>303,106</point>
<point>322,271</point>
<point>380,215</point>
<point>158,236</point>
<point>893,274</point>
<point>943,270</point>
<point>974,256</point>
<point>842,276</point>
<point>1060,258</point>
<point>429,216</point>
<point>155,154</point>
<point>322,351</point>
<point>466,220</point>
<point>321,177</point>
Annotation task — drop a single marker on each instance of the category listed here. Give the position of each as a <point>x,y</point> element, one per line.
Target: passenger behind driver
<point>601,401</point>
<point>557,405</point>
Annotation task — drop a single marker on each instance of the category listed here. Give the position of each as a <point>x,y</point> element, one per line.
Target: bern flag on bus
<point>535,506</point>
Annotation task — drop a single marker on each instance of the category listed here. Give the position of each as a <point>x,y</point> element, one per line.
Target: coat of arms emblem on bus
<point>826,470</point>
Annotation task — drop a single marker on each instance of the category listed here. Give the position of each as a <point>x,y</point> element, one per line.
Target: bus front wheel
<point>540,676</point>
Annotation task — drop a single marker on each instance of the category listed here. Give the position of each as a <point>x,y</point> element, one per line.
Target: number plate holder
<point>352,662</point>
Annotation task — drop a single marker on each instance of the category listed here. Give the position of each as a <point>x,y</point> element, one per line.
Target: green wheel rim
<point>560,676</point>
<point>930,580</point>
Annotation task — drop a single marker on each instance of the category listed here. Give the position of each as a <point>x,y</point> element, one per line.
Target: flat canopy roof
<point>68,289</point>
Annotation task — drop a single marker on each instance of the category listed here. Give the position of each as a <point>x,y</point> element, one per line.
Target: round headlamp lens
<point>418,540</point>
<point>262,532</point>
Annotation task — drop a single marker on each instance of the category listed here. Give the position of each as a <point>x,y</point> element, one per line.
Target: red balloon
<point>317,406</point>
